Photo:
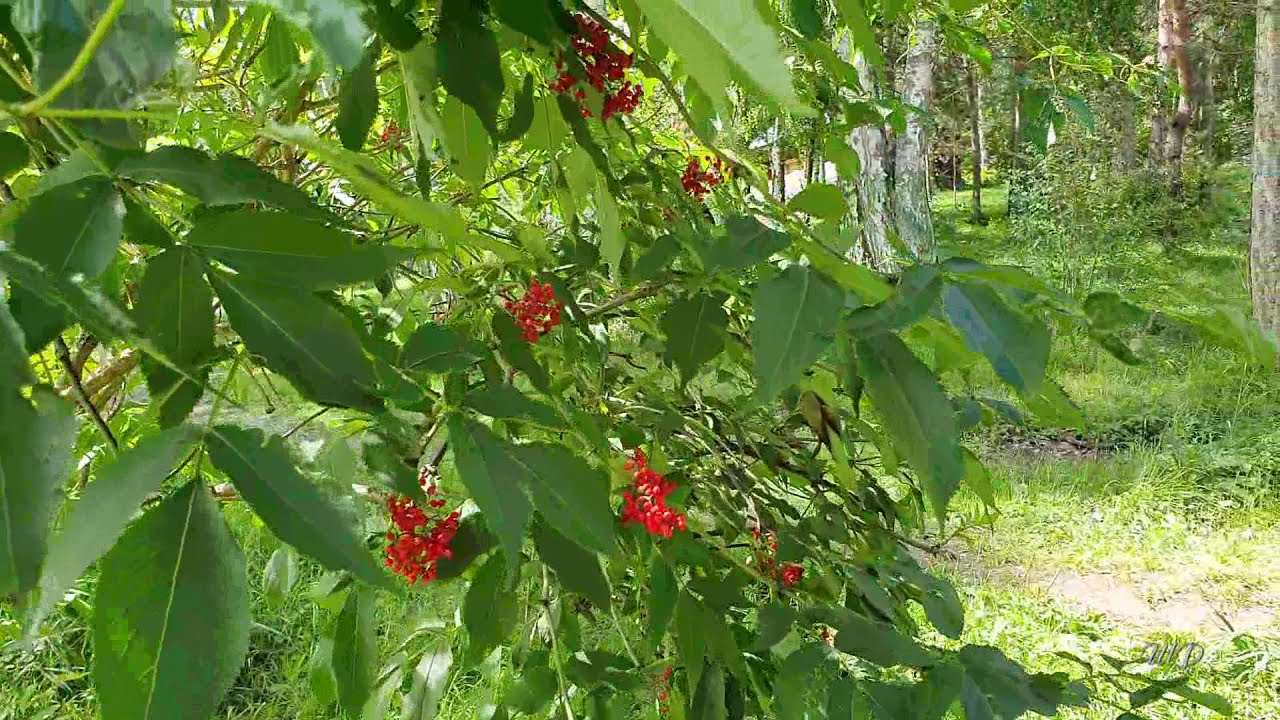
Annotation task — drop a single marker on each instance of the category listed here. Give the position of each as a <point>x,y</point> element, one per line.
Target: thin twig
<point>304,423</point>
<point>638,293</point>
<point>81,62</point>
<point>64,357</point>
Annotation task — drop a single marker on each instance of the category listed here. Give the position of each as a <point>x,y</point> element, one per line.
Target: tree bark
<point>1264,239</point>
<point>1126,157</point>
<point>974,92</point>
<point>913,219</point>
<point>1207,108</point>
<point>872,188</point>
<point>776,164</point>
<point>1174,37</point>
<point>1015,112</point>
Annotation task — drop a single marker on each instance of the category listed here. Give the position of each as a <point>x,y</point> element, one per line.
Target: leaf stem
<point>64,357</point>
<point>81,62</point>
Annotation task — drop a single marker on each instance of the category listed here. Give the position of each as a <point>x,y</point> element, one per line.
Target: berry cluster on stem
<point>417,540</point>
<point>537,312</point>
<point>606,71</point>
<point>393,135</point>
<point>698,182</point>
<point>646,502</point>
<point>789,574</point>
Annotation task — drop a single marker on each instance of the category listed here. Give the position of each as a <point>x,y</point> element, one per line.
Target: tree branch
<point>64,357</point>
<point>78,66</point>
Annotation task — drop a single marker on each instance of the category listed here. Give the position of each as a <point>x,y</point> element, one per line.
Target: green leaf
<point>174,311</point>
<point>533,691</point>
<point>844,701</point>
<point>284,249</point>
<point>836,149</point>
<point>295,510</point>
<point>613,243</point>
<point>1006,686</point>
<point>854,14</point>
<point>379,702</point>
<point>547,129</point>
<point>491,470</point>
<point>708,700</point>
<point>797,313</point>
<point>489,610</point>
<point>656,258</point>
<point>577,570</point>
<point>722,39</point>
<point>14,364</point>
<point>747,242</point>
<point>171,613</point>
<point>691,642</point>
<point>279,576</point>
<point>911,300</point>
<point>33,286</point>
<point>805,16</point>
<point>695,328</point>
<point>1016,346</point>
<point>465,138</point>
<point>1212,701</point>
<point>926,700</point>
<point>822,201</point>
<point>916,414</point>
<point>791,687</point>
<point>70,230</point>
<point>303,338</point>
<point>141,227</point>
<point>105,507</point>
<point>430,679</point>
<point>355,649</point>
<point>1078,107</point>
<point>1108,311</point>
<point>974,702</point>
<point>279,57</point>
<point>358,100</point>
<point>521,114</point>
<point>437,349</point>
<point>222,180</point>
<point>472,540</point>
<point>880,643</point>
<point>572,496</point>
<point>775,622</point>
<point>499,400</point>
<point>662,590</point>
<point>467,55</point>
<point>336,26</point>
<point>14,154</point>
<point>518,352</point>
<point>324,686</point>
<point>35,457</point>
<point>534,18</point>
<point>138,52</point>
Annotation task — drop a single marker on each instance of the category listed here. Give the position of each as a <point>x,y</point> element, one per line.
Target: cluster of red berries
<point>418,541</point>
<point>698,182</point>
<point>646,503</point>
<point>606,71</point>
<point>394,135</point>
<point>662,685</point>
<point>537,312</point>
<point>789,574</point>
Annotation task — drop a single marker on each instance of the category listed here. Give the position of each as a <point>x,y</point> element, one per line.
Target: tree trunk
<point>1174,36</point>
<point>873,207</point>
<point>1015,113</point>
<point>974,91</point>
<point>776,164</point>
<point>913,219</point>
<point>1126,157</point>
<point>1264,241</point>
<point>1207,108</point>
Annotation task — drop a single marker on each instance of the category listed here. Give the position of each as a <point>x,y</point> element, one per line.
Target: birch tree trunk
<point>776,164</point>
<point>912,217</point>
<point>872,188</point>
<point>1175,35</point>
<point>1264,240</point>
<point>1126,156</point>
<point>974,91</point>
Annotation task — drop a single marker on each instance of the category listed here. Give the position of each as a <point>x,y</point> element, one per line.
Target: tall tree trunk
<point>912,217</point>
<point>1264,241</point>
<point>1015,112</point>
<point>873,206</point>
<point>1207,108</point>
<point>1126,156</point>
<point>1174,36</point>
<point>776,164</point>
<point>974,92</point>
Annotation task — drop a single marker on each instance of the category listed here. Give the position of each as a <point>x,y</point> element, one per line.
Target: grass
<point>1181,502</point>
